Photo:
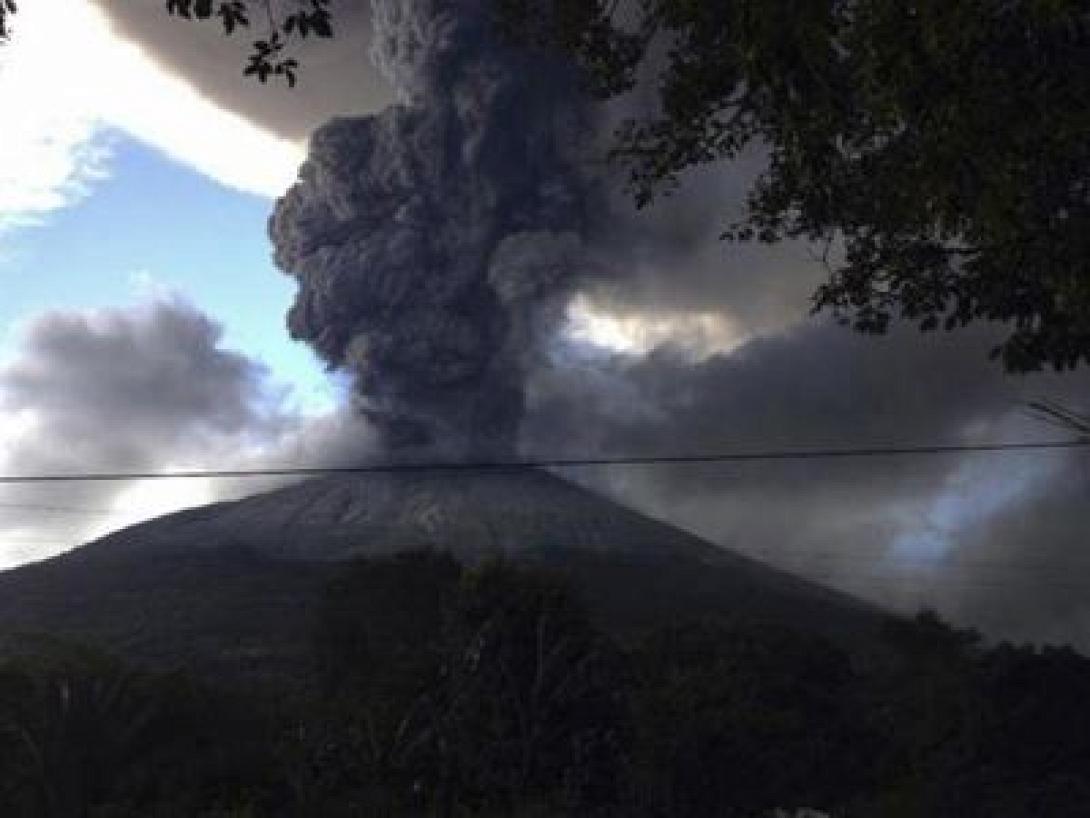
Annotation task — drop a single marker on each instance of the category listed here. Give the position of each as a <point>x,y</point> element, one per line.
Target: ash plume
<point>435,243</point>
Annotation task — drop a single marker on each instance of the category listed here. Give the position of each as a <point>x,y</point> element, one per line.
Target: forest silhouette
<point>431,689</point>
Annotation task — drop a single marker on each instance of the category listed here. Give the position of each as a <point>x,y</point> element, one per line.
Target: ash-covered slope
<point>234,582</point>
<point>473,515</point>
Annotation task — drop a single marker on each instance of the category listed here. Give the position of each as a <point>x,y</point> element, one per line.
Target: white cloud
<point>48,154</point>
<point>698,334</point>
<point>66,79</point>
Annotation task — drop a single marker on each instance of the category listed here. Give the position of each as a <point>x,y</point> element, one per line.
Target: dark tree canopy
<point>296,19</point>
<point>491,691</point>
<point>936,149</point>
<point>7,8</point>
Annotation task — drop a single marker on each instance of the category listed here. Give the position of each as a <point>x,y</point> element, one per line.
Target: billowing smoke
<point>436,243</point>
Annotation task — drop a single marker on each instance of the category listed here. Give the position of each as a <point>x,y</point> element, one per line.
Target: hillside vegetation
<point>431,689</point>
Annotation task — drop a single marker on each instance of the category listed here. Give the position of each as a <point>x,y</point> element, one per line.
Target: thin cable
<point>556,463</point>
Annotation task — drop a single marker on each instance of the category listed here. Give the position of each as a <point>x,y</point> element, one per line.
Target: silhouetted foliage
<point>82,734</point>
<point>381,643</point>
<point>739,721</point>
<point>533,694</point>
<point>445,691</point>
<point>7,8</point>
<point>532,709</point>
<point>484,689</point>
<point>301,18</point>
<point>936,149</point>
<point>973,731</point>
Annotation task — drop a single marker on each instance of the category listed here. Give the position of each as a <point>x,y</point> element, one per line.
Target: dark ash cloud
<point>435,243</point>
<point>970,535</point>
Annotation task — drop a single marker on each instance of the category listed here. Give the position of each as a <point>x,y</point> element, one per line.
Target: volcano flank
<point>230,587</point>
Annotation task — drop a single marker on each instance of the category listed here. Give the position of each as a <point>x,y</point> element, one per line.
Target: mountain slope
<point>231,585</point>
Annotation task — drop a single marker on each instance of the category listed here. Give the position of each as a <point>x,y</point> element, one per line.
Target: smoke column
<point>435,243</point>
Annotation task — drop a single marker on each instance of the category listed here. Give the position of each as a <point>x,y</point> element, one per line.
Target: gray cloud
<point>117,389</point>
<point>337,76</point>
<point>142,389</point>
<point>434,243</point>
<point>669,255</point>
<point>1024,572</point>
<point>814,385</point>
<point>908,532</point>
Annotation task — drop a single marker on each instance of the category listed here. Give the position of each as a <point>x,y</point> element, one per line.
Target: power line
<point>558,463</point>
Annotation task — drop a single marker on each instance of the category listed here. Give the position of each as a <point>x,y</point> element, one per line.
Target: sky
<point>143,328</point>
<point>126,195</point>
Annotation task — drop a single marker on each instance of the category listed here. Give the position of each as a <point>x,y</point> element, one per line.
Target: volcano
<point>230,587</point>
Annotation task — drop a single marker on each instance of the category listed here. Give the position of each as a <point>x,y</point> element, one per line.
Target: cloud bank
<point>144,389</point>
<point>933,530</point>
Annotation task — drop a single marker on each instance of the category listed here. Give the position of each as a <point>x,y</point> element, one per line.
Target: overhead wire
<point>558,463</point>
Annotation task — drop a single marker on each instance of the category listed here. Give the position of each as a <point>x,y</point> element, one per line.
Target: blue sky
<point>153,227</point>
<point>133,209</point>
<point>121,183</point>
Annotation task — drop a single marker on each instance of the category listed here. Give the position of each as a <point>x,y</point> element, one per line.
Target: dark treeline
<point>442,691</point>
